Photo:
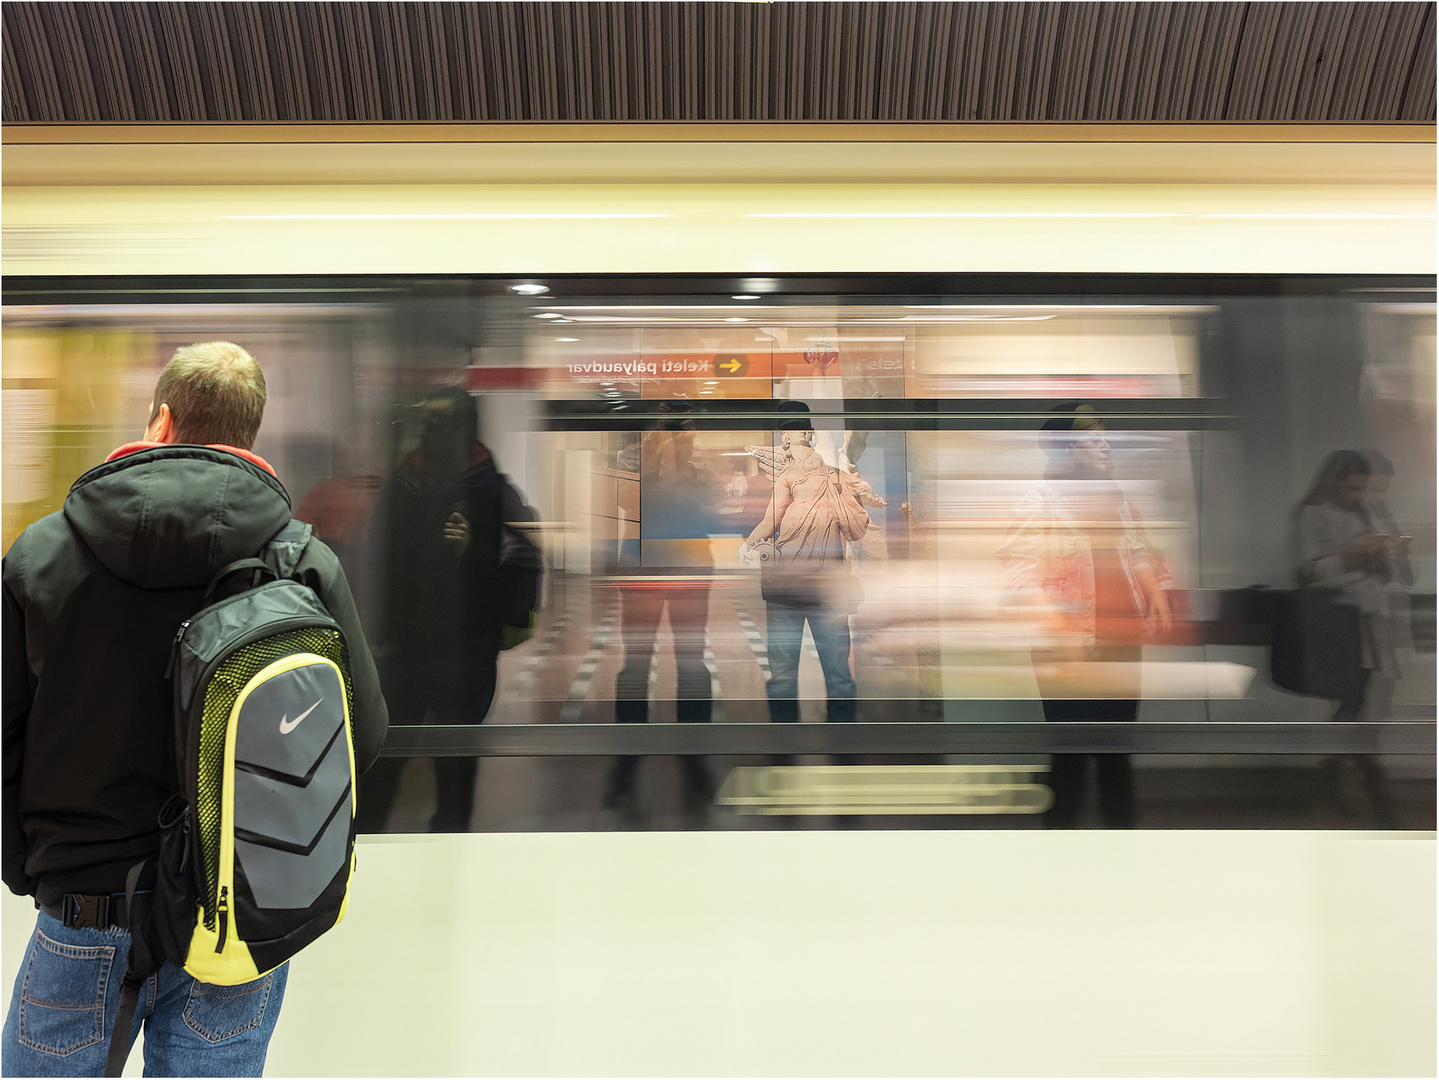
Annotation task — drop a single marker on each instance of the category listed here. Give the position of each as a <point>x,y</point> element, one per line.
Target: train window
<point>947,351</point>
<point>846,552</point>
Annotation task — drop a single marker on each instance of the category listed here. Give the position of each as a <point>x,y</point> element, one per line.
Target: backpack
<point>521,566</point>
<point>257,845</point>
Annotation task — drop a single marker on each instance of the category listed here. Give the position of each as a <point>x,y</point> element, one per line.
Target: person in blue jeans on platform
<point>815,510</point>
<point>93,596</point>
<point>64,1004</point>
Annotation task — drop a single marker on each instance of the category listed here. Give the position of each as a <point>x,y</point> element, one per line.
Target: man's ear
<point>162,428</point>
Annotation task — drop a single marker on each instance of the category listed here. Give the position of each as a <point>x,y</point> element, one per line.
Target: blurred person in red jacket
<point>1077,554</point>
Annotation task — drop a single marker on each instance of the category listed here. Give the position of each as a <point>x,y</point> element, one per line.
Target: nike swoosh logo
<point>286,728</point>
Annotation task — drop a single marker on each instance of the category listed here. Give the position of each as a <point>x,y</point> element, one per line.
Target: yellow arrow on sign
<point>731,364</point>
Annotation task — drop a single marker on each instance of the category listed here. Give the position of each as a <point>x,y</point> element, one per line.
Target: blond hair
<point>216,394</point>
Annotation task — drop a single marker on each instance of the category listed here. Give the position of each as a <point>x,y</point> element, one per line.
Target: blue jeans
<point>68,993</point>
<point>784,630</point>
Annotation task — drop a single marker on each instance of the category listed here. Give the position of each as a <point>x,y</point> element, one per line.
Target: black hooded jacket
<point>429,603</point>
<point>93,596</point>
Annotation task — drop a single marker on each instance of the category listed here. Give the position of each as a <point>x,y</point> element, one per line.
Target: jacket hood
<point>170,516</point>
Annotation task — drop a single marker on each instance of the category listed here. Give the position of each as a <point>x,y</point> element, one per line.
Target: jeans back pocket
<point>216,1013</point>
<point>62,995</point>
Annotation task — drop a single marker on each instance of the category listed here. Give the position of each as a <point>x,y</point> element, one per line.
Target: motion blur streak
<point>996,566</point>
<point>892,789</point>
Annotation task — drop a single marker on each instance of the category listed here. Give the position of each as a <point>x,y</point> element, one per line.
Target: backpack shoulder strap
<point>278,558</point>
<point>255,566</point>
<point>282,554</point>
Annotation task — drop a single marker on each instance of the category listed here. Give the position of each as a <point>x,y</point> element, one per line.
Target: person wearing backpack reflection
<point>93,598</point>
<point>433,597</point>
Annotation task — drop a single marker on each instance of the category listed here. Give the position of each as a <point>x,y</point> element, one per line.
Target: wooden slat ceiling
<point>548,62</point>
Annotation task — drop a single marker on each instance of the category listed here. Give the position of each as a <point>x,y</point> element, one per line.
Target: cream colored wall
<point>956,953</point>
<point>661,152</point>
<point>725,229</point>
<point>727,199</point>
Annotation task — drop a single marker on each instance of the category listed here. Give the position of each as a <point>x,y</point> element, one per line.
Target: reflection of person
<point>433,558</point>
<point>1343,549</point>
<point>677,508</point>
<point>816,508</point>
<point>1077,552</point>
<point>93,596</point>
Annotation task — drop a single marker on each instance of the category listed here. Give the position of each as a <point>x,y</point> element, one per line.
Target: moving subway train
<point>972,569</point>
<point>966,521</point>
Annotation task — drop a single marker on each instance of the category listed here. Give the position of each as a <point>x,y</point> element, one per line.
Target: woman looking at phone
<point>1341,549</point>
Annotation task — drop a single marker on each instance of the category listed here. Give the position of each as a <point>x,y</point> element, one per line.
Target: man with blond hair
<point>93,597</point>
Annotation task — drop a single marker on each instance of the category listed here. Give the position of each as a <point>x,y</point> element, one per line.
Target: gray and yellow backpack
<point>257,845</point>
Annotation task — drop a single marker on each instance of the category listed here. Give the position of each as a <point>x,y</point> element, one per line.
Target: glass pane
<point>888,508</point>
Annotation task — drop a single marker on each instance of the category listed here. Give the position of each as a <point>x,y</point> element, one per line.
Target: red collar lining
<point>136,447</point>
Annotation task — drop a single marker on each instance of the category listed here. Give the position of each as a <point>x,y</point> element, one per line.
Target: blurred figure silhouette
<point>1351,559</point>
<point>679,498</point>
<point>339,510</point>
<point>1077,552</point>
<point>1400,583</point>
<point>434,616</point>
<point>1343,550</point>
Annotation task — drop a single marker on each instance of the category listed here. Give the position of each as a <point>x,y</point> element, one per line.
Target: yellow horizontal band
<point>713,132</point>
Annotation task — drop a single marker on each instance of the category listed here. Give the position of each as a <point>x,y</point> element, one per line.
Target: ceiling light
<point>567,339</point>
<point>430,217</point>
<point>528,288</point>
<point>746,296</point>
<point>549,315</point>
<point>737,319</point>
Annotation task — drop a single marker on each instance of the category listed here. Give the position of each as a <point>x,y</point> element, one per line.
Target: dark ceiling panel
<point>417,62</point>
<point>1418,103</point>
<point>149,79</point>
<point>29,59</point>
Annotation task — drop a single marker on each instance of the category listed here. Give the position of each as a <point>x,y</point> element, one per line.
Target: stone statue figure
<point>815,511</point>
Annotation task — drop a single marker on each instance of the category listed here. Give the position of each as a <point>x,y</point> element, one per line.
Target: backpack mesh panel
<point>229,680</point>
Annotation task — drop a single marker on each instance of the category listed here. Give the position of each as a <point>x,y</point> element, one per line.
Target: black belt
<point>90,911</point>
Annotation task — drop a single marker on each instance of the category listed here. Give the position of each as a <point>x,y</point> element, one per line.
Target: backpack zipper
<point>224,917</point>
<point>175,648</point>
